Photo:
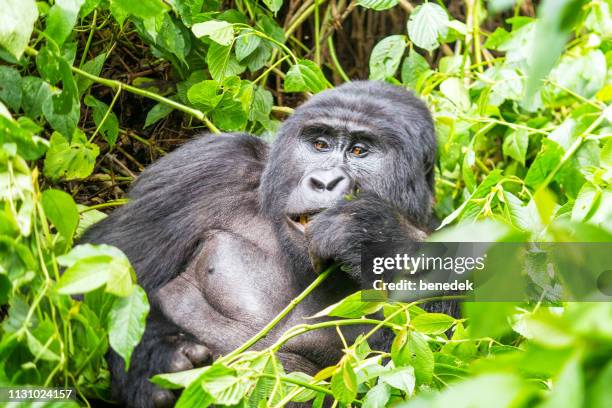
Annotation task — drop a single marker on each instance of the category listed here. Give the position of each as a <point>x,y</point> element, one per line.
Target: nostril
<point>332,184</point>
<point>317,184</point>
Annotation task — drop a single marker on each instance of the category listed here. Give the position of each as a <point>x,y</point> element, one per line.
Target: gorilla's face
<point>343,142</point>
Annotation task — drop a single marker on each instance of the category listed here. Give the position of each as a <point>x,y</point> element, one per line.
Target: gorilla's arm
<point>338,232</point>
<point>175,201</point>
<point>173,204</point>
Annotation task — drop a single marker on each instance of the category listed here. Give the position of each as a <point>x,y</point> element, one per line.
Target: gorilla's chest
<point>234,287</point>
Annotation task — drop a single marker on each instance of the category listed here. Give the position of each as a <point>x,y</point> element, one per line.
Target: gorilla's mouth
<point>300,220</point>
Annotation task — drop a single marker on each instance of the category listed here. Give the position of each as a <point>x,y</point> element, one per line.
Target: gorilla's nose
<point>333,183</point>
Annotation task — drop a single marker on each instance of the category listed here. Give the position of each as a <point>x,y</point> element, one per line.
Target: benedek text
<point>405,284</point>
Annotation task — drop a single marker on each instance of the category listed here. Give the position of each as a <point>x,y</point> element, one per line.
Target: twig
<point>111,83</point>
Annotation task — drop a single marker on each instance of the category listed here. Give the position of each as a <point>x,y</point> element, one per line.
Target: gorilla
<point>225,231</point>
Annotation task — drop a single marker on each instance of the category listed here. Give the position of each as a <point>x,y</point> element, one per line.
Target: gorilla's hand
<point>160,351</point>
<point>338,232</point>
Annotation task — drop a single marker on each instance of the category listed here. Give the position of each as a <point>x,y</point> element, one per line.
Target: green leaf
<point>587,202</point>
<point>221,62</point>
<point>273,5</point>
<point>126,323</point>
<point>428,23</point>
<point>544,163</point>
<point>69,161</point>
<point>108,124</point>
<point>61,210</point>
<point>414,68</point>
<point>515,145</point>
<point>220,32</point>
<point>495,6</point>
<point>454,89</point>
<point>10,87</point>
<point>351,307</point>
<point>85,275</point>
<point>94,67</point>
<point>416,352</point>
<point>205,95</point>
<point>344,383</point>
<point>16,25</point>
<point>224,385</point>
<point>386,57</point>
<point>568,388</point>
<point>402,378</point>
<point>305,76</point>
<point>556,19</point>
<point>377,396</point>
<point>146,9</point>
<point>157,113</point>
<point>377,4</point>
<point>61,18</point>
<point>432,323</point>
<point>246,44</point>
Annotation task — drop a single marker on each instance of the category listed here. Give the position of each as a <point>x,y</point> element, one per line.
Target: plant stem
<point>266,330</point>
<point>334,57</point>
<point>573,148</point>
<point>112,83</point>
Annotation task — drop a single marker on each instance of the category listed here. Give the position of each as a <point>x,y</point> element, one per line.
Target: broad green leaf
<point>402,378</point>
<point>85,275</point>
<point>273,5</point>
<point>10,87</point>
<point>105,119</point>
<point>224,385</point>
<point>70,160</point>
<point>221,62</point>
<point>488,319</point>
<point>61,210</point>
<point>61,18</point>
<point>351,307</point>
<point>16,24</point>
<point>220,32</point>
<point>29,146</point>
<point>455,91</point>
<point>305,76</point>
<point>246,44</point>
<point>414,69</point>
<point>94,67</point>
<point>144,9</point>
<point>515,145</point>
<point>428,23</point>
<point>35,93</point>
<point>568,387</point>
<point>126,323</point>
<point>205,95</point>
<point>157,113</point>
<point>386,57</point>
<point>432,323</point>
<point>416,353</point>
<point>377,4</point>
<point>500,5</point>
<point>546,160</point>
<point>377,396</point>
<point>587,202</point>
<point>344,383</point>
<point>556,19</point>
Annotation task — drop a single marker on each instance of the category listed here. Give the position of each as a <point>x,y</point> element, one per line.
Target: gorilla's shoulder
<point>208,159</point>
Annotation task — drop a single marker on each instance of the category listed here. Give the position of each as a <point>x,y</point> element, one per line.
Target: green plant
<point>524,125</point>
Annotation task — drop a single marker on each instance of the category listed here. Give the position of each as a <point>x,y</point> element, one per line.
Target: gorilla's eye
<point>321,145</point>
<point>359,150</point>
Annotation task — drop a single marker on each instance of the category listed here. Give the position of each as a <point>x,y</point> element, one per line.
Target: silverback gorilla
<point>223,231</point>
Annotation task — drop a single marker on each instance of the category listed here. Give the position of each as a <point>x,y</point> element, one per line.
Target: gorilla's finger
<point>163,399</point>
<point>179,362</point>
<point>198,354</point>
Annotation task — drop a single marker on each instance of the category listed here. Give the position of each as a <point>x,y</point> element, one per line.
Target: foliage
<point>524,126</point>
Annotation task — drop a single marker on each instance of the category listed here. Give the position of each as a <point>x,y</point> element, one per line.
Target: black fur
<point>207,229</point>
